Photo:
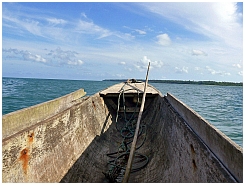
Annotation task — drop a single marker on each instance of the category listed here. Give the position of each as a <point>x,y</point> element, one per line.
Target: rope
<point>126,125</point>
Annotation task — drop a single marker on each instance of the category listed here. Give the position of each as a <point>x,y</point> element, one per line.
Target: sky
<point>95,41</point>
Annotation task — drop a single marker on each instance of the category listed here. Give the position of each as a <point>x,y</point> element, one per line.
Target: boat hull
<point>72,145</point>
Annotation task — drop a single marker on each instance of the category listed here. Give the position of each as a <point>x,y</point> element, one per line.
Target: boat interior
<point>167,149</point>
<point>90,140</point>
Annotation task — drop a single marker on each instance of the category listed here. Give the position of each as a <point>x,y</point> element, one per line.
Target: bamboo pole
<point>132,150</point>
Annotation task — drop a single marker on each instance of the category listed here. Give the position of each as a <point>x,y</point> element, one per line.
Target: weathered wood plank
<point>129,88</point>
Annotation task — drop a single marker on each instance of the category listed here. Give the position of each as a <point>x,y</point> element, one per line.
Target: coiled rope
<point>126,125</point>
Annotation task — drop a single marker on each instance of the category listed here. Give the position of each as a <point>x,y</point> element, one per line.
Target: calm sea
<point>222,106</point>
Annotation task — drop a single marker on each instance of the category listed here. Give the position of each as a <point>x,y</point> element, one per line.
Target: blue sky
<point>96,41</point>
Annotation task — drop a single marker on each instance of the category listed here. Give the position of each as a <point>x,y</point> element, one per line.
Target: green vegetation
<point>185,82</point>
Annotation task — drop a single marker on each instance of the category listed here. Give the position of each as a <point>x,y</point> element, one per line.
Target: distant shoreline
<point>154,81</point>
<point>185,82</point>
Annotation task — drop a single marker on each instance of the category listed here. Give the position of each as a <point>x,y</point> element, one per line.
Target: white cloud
<point>143,64</point>
<point>198,52</point>
<point>122,63</point>
<point>75,62</point>
<point>54,57</point>
<point>156,64</point>
<point>80,62</point>
<point>26,55</point>
<point>36,58</point>
<point>214,72</point>
<point>237,66</point>
<point>60,56</point>
<point>181,70</point>
<point>211,71</point>
<point>164,39</point>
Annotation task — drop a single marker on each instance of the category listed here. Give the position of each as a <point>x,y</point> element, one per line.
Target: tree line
<point>185,82</point>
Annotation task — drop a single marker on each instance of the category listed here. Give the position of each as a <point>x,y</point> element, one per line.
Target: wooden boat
<point>78,138</point>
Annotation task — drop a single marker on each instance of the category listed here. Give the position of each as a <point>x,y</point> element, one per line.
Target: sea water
<point>222,106</point>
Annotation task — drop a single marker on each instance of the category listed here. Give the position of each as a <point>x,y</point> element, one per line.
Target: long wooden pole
<point>132,150</point>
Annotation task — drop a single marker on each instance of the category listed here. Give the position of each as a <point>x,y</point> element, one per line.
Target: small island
<point>185,82</point>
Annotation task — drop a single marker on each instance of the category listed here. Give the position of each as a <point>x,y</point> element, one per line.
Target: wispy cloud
<point>83,14</point>
<point>141,32</point>
<point>55,21</point>
<point>28,25</point>
<point>219,21</point>
<point>58,28</point>
<point>91,28</point>
<point>40,27</point>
